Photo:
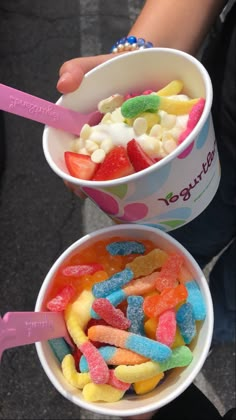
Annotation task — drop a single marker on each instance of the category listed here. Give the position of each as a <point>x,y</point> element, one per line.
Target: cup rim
<point>134,177</point>
<point>94,407</point>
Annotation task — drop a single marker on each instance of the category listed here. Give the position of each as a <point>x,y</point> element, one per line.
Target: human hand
<point>72,72</point>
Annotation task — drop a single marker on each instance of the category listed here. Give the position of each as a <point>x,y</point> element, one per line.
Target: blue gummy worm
<point>135,314</point>
<point>196,299</point>
<point>106,352</point>
<point>125,248</point>
<point>148,348</point>
<point>186,322</point>
<point>60,348</point>
<point>115,282</point>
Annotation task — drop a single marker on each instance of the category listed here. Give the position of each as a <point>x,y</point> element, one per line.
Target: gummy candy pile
<point>131,310</point>
<point>136,131</point>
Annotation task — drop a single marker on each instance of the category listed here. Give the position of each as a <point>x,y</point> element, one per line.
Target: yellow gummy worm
<point>77,316</point>
<point>73,325</point>
<point>94,392</point>
<point>147,385</point>
<point>173,88</point>
<point>175,106</point>
<point>76,379</point>
<point>81,307</point>
<point>137,373</point>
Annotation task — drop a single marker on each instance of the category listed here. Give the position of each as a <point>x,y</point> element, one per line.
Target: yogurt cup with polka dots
<point>173,191</point>
<point>177,380</point>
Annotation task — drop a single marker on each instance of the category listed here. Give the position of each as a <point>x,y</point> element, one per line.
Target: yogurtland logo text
<point>186,192</point>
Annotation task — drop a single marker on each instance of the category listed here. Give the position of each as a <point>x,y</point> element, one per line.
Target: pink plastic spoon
<point>37,109</point>
<point>21,328</point>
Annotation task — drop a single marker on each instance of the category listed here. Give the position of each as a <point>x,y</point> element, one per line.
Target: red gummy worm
<point>98,368</point>
<point>113,316</point>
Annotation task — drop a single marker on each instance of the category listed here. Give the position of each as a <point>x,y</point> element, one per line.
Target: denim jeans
<point>213,233</point>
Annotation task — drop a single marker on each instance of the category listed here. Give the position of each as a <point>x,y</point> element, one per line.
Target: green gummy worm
<point>143,103</point>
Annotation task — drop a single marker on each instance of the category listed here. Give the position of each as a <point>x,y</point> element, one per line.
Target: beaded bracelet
<point>130,43</point>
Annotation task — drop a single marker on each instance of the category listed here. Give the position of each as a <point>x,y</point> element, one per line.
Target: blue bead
<point>122,40</point>
<point>131,39</point>
<point>148,45</point>
<point>141,42</point>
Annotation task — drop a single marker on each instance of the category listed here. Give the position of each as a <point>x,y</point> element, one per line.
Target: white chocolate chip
<point>179,97</point>
<point>111,103</point>
<point>98,156</point>
<point>107,118</point>
<point>151,145</point>
<point>169,145</point>
<point>140,126</point>
<point>107,145</point>
<point>90,146</point>
<point>167,120</point>
<point>156,131</point>
<point>97,136</point>
<point>116,116</point>
<point>77,144</point>
<point>175,132</point>
<point>84,151</point>
<point>85,132</point>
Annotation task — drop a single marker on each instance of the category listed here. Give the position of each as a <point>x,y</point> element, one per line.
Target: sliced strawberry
<point>80,166</point>
<point>139,159</point>
<point>115,165</point>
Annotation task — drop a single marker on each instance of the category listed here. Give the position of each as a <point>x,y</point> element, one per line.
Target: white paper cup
<point>173,191</point>
<point>178,379</point>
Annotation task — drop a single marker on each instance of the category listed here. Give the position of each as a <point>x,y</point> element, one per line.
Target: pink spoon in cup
<point>21,328</point>
<point>45,112</point>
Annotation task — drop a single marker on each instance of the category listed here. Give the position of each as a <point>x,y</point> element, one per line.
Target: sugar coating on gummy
<point>124,339</point>
<point>114,381</point>
<point>125,248</point>
<point>196,299</point>
<point>186,322</point>
<point>135,314</point>
<point>144,265</point>
<point>115,282</point>
<point>181,356</point>
<point>98,368</point>
<point>113,316</point>
<point>104,392</point>
<point>135,106</point>
<point>114,356</point>
<point>166,328</point>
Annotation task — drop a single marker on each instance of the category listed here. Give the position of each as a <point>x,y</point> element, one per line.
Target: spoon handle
<point>37,109</point>
<point>21,328</point>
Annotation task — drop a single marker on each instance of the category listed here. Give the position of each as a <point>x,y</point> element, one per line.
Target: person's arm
<point>180,24</point>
